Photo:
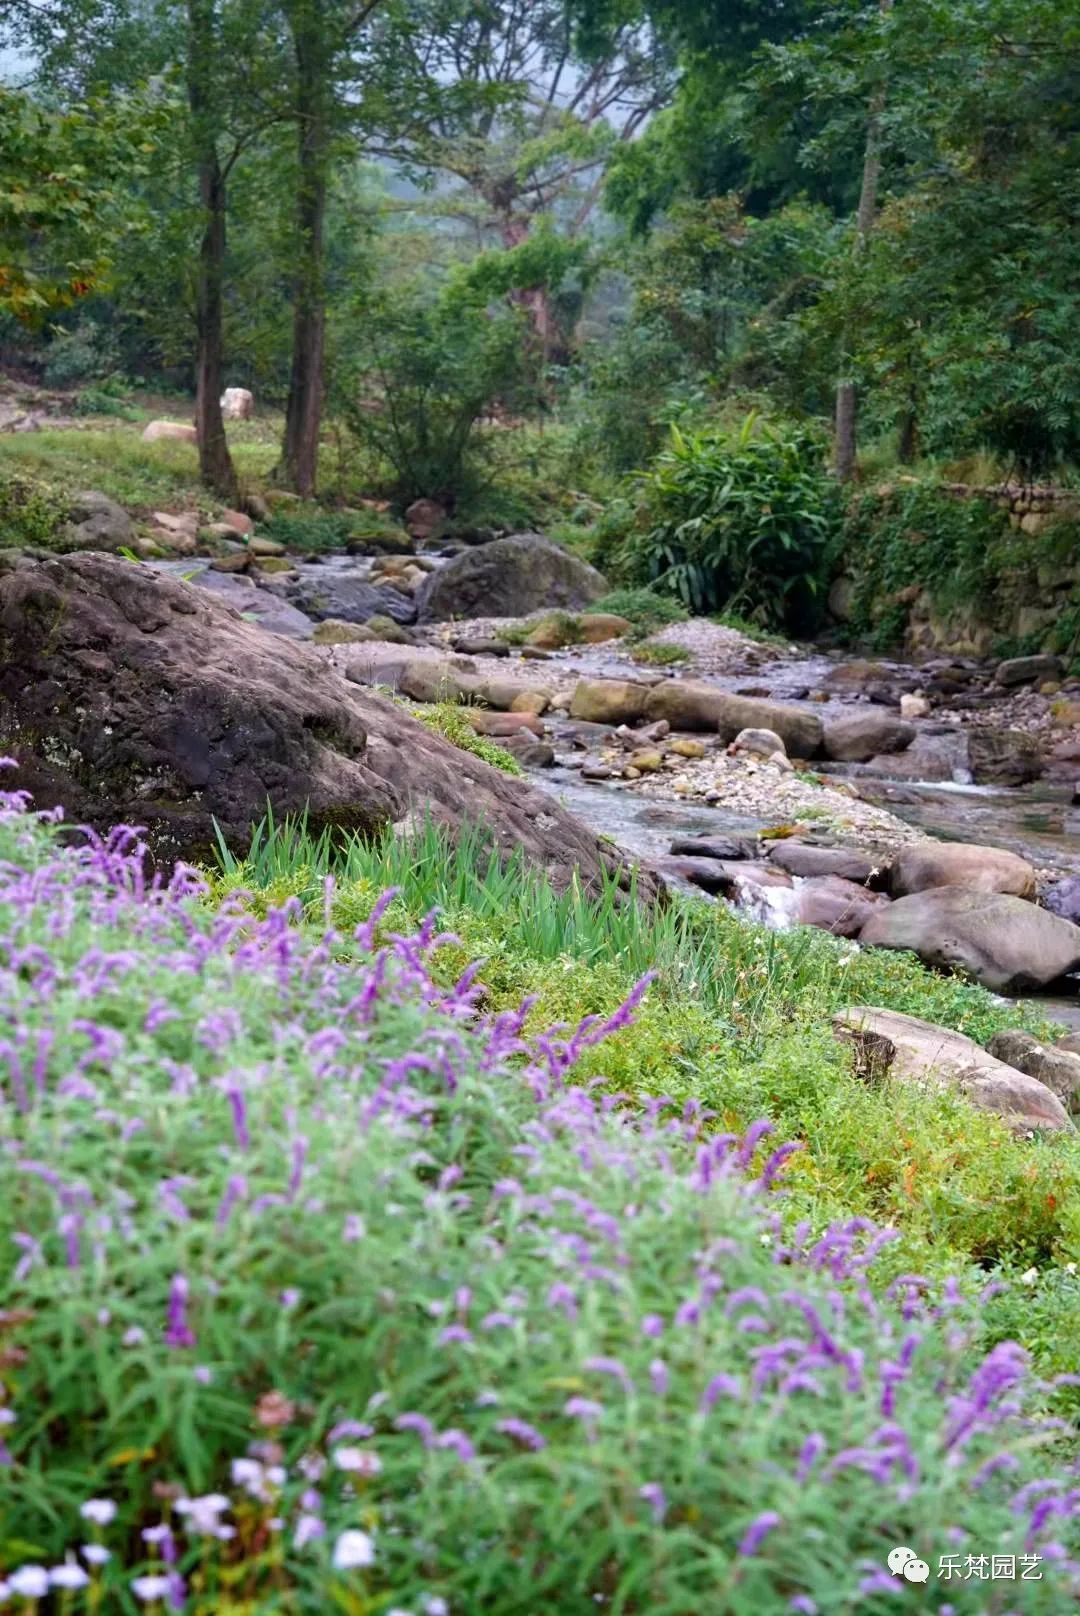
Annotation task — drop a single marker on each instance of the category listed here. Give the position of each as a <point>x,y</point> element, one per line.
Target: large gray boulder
<point>920,866</point>
<point>96,522</point>
<point>509,577</point>
<point>858,737</point>
<point>1003,942</point>
<point>1003,757</point>
<point>347,597</point>
<point>693,704</point>
<point>125,696</point>
<point>832,904</point>
<point>1029,670</point>
<point>1063,898</point>
<point>898,1048</point>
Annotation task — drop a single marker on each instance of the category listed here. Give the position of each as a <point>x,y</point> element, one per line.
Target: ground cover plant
<point>335,1288</point>
<point>737,1019</point>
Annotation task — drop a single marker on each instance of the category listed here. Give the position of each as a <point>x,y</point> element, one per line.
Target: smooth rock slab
<point>713,847</point>
<point>1003,942</point>
<point>807,859</point>
<point>905,1049</point>
<point>1058,1068</point>
<point>691,704</point>
<point>921,866</point>
<point>607,701</point>
<point>858,738</point>
<point>128,698</point>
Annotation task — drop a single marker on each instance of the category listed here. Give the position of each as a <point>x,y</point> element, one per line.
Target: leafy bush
<point>83,352</point>
<point>112,396</point>
<point>425,374</point>
<point>332,1292</point>
<point>31,512</point>
<point>738,522</point>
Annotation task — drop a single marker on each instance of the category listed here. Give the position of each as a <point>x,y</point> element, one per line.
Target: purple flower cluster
<point>260,1177</point>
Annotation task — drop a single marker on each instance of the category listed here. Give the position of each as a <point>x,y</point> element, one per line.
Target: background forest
<point>641,270</point>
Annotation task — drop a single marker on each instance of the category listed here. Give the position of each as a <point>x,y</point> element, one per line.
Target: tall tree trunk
<point>303,412</point>
<point>845,433</point>
<point>215,463</point>
<point>535,300</point>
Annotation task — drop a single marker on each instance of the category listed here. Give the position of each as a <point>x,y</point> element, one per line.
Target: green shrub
<point>83,352</point>
<point>425,373</point>
<point>738,522</point>
<point>111,396</point>
<point>31,512</point>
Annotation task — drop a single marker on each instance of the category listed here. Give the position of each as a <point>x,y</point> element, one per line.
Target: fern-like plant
<point>738,522</point>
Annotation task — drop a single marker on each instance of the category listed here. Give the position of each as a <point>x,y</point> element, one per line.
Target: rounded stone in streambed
<point>1002,941</point>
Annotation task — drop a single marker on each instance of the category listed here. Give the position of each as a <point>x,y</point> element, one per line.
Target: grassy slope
<point>139,476</point>
<point>738,1019</point>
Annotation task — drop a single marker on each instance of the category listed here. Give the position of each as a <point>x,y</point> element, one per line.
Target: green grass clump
<point>314,529</point>
<point>31,512</point>
<point>448,719</point>
<point>660,655</point>
<point>645,608</point>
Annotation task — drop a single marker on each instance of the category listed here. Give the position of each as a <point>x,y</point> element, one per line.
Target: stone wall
<point>1032,597</point>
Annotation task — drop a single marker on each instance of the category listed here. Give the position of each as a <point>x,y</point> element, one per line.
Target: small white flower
<point>149,1588</point>
<point>1030,1277</point>
<point>353,1549</point>
<point>95,1554</point>
<point>308,1527</point>
<point>99,1510</point>
<point>436,1606</point>
<point>7,1415</point>
<point>68,1575</point>
<point>1070,1268</point>
<point>203,1512</point>
<point>360,1461</point>
<point>277,1475</point>
<point>29,1582</point>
